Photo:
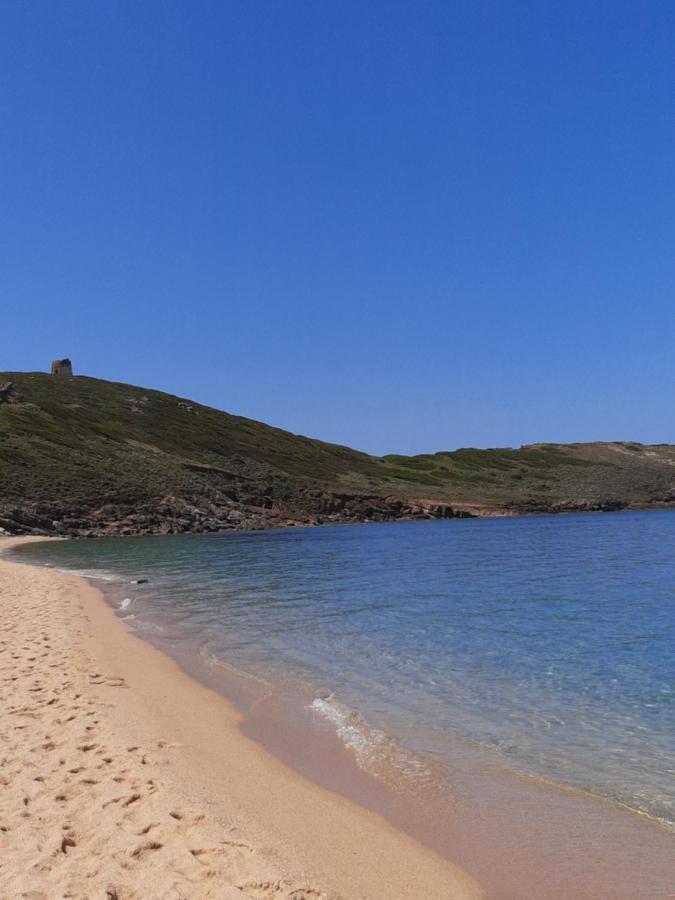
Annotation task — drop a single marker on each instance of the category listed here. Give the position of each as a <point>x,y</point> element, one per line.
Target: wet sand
<point>121,777</point>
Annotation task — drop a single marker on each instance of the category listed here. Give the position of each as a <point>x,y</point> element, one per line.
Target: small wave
<point>143,625</point>
<point>376,752</point>
<point>209,658</point>
<point>213,661</point>
<point>95,575</point>
<point>350,728</point>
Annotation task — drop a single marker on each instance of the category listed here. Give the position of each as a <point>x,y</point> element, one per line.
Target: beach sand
<point>121,777</point>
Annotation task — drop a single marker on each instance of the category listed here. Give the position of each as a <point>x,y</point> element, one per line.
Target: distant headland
<point>84,457</point>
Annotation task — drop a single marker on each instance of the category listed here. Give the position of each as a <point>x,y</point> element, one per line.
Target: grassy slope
<point>82,441</point>
<point>79,432</point>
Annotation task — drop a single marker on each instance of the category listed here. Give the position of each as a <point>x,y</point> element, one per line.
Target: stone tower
<point>62,367</point>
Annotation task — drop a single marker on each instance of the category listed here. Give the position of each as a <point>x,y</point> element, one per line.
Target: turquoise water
<point>550,640</point>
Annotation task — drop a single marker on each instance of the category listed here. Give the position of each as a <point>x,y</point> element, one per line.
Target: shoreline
<point>163,795</point>
<point>520,834</point>
<point>471,511</point>
<point>513,834</point>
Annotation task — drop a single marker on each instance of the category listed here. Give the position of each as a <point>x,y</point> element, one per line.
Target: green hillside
<point>80,455</point>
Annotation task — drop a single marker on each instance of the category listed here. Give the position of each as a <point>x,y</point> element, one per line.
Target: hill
<point>83,456</point>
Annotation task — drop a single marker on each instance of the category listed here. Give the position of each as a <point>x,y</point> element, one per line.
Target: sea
<point>547,642</point>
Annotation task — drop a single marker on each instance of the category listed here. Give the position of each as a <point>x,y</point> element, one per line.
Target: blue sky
<point>399,226</point>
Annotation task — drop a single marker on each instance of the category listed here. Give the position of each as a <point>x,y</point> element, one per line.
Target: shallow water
<point>547,639</point>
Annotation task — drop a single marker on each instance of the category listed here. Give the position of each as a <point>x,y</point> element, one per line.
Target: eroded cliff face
<point>173,515</point>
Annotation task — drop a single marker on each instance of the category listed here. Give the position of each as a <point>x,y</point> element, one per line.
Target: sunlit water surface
<point>549,639</point>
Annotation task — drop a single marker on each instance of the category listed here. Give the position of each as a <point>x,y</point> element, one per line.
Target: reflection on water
<point>550,639</point>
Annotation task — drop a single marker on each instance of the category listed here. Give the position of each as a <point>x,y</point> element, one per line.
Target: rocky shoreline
<point>173,515</point>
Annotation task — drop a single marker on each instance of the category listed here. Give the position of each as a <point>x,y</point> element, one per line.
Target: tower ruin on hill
<point>62,367</point>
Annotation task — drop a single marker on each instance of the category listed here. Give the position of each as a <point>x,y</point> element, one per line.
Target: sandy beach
<point>121,777</point>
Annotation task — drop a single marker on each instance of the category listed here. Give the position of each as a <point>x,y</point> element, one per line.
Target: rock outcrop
<point>175,515</point>
<point>8,393</point>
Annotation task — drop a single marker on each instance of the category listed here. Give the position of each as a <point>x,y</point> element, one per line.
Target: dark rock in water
<point>141,581</point>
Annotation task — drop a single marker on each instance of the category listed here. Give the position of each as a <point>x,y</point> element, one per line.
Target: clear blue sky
<point>400,226</point>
